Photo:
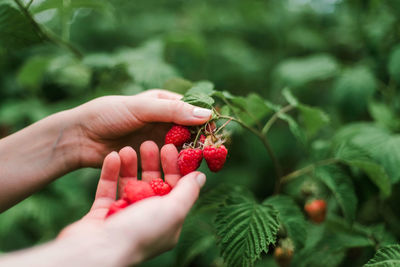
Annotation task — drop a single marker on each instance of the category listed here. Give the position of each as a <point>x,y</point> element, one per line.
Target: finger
<point>186,191</point>
<point>166,110</point>
<point>150,161</point>
<point>169,162</point>
<point>107,187</point>
<point>162,94</point>
<point>128,167</point>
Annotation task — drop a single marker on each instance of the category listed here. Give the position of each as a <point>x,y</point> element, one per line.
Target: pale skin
<point>83,137</point>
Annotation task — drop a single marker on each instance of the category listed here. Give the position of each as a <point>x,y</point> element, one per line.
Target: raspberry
<point>215,157</point>
<point>189,160</point>
<point>177,135</point>
<point>202,138</point>
<point>283,256</point>
<point>316,210</point>
<point>160,188</point>
<point>117,206</point>
<point>136,190</point>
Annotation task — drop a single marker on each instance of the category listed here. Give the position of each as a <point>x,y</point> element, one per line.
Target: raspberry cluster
<point>136,190</point>
<point>208,146</point>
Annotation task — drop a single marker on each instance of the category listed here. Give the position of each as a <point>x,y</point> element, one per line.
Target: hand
<point>108,123</point>
<point>150,226</point>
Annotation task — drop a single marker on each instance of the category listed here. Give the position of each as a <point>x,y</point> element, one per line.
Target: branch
<point>46,35</point>
<point>264,140</point>
<point>275,117</point>
<point>29,5</point>
<point>307,169</point>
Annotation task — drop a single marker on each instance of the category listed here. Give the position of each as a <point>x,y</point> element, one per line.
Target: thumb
<point>187,190</point>
<point>148,109</point>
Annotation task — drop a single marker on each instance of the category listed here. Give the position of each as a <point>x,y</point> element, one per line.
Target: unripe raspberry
<point>316,210</point>
<point>117,206</point>
<point>189,160</point>
<point>283,256</point>
<point>159,187</point>
<point>136,190</point>
<point>177,135</point>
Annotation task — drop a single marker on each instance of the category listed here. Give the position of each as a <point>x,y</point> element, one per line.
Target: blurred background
<point>343,56</point>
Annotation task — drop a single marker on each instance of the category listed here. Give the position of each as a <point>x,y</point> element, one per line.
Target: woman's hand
<point>109,123</point>
<point>150,226</point>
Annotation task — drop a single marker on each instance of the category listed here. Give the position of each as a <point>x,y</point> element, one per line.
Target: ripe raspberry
<point>117,206</point>
<point>189,160</point>
<point>316,210</point>
<point>160,188</point>
<point>215,157</point>
<point>177,135</point>
<point>137,190</point>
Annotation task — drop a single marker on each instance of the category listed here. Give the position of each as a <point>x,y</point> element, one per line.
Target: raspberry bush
<point>305,100</point>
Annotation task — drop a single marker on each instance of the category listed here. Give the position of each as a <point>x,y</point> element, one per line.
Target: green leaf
<point>178,85</point>
<point>294,127</point>
<point>388,256</point>
<point>245,229</point>
<point>291,217</point>
<point>200,94</point>
<point>394,63</point>
<point>16,31</point>
<point>380,144</point>
<point>357,157</point>
<point>383,115</point>
<point>353,89</point>
<point>202,87</point>
<point>341,187</point>
<point>32,72</point>
<point>313,119</point>
<point>196,238</point>
<point>297,72</point>
<point>100,5</point>
<point>290,98</point>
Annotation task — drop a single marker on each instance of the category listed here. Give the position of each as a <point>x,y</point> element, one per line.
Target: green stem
<point>29,4</point>
<point>198,135</point>
<point>263,139</point>
<point>223,126</point>
<point>47,35</point>
<point>307,169</point>
<point>274,118</point>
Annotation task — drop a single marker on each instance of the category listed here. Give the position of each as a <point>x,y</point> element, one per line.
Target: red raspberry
<point>215,157</point>
<point>136,190</point>
<point>117,206</point>
<point>160,188</point>
<point>189,160</point>
<point>316,210</point>
<point>202,138</point>
<point>177,135</point>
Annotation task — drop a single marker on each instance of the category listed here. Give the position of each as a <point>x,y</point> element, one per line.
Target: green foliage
<point>337,128</point>
<point>386,257</point>
<point>245,229</point>
<point>291,218</point>
<point>16,31</point>
<point>342,188</point>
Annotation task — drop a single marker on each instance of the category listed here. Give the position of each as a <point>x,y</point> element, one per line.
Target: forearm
<point>36,155</point>
<point>86,250</point>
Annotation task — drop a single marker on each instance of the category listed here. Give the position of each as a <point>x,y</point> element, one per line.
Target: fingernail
<point>201,112</point>
<point>201,179</point>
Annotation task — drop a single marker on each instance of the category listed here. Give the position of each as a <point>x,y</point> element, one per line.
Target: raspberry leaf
<point>245,229</point>
<point>341,187</point>
<point>357,157</point>
<point>386,257</point>
<point>291,218</point>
